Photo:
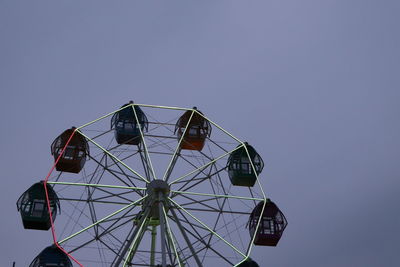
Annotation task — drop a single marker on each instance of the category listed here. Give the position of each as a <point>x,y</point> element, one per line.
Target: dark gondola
<point>248,263</point>
<point>74,157</point>
<point>126,127</point>
<point>33,207</point>
<point>240,170</point>
<point>198,130</point>
<point>272,224</point>
<point>51,256</point>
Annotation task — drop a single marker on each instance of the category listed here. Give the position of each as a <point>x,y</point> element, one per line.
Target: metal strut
<point>186,238</point>
<point>130,239</point>
<point>162,231</point>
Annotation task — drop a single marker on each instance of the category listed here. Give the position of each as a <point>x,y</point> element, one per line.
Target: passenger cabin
<point>197,130</point>
<point>272,224</point>
<point>74,157</point>
<point>51,256</point>
<point>127,126</point>
<point>248,263</point>
<point>33,208</point>
<point>239,166</point>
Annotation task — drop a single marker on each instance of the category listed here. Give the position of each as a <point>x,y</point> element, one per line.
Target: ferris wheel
<point>154,186</point>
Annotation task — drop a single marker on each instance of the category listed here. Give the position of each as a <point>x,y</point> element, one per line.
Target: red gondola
<point>272,224</point>
<point>198,129</point>
<point>74,157</point>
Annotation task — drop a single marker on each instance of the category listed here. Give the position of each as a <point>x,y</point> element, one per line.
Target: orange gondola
<point>198,129</point>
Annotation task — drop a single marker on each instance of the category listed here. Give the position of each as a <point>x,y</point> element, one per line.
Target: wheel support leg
<point>186,238</point>
<point>131,238</point>
<point>153,245</point>
<point>162,232</point>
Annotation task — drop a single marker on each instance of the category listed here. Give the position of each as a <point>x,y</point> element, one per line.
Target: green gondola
<point>239,166</point>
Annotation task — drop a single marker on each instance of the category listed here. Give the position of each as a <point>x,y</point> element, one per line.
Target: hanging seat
<point>239,166</point>
<point>126,127</point>
<point>51,256</point>
<point>197,131</point>
<point>74,157</point>
<point>33,207</point>
<point>272,224</point>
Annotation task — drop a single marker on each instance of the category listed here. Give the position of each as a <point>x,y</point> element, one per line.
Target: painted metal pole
<point>162,231</point>
<point>134,248</point>
<point>186,238</point>
<point>153,246</point>
<point>131,238</point>
<point>172,164</point>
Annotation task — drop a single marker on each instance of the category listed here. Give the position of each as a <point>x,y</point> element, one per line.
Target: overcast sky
<point>313,85</point>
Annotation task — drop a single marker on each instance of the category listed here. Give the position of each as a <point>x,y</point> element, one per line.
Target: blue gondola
<point>51,256</point>
<point>248,263</point>
<point>33,207</point>
<point>127,127</point>
<point>239,166</point>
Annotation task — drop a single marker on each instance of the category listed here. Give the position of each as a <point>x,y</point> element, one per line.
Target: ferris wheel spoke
<point>108,165</point>
<point>194,181</point>
<point>101,220</point>
<point>98,185</point>
<point>112,156</point>
<point>128,177</point>
<point>132,242</point>
<point>177,150</point>
<point>208,228</point>
<point>162,232</point>
<point>172,239</point>
<point>146,152</point>
<point>186,238</point>
<point>219,127</point>
<point>215,195</point>
<point>199,239</point>
<point>105,231</point>
<point>99,119</point>
<point>190,183</point>
<point>110,195</point>
<point>200,202</point>
<point>103,188</point>
<point>205,165</point>
<point>145,164</point>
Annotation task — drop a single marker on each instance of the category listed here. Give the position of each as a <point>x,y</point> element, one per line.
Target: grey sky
<point>313,85</point>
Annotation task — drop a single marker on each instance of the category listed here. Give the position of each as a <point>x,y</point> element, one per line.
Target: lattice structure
<point>152,202</point>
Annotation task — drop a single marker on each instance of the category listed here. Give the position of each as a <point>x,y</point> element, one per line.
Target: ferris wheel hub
<point>155,187</point>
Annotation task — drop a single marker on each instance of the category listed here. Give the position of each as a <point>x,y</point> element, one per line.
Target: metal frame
<point>177,220</point>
